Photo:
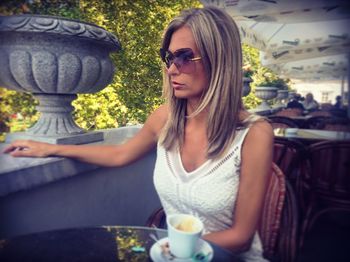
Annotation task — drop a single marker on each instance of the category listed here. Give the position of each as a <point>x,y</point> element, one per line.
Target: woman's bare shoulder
<point>260,134</point>
<point>261,129</point>
<point>162,111</point>
<point>261,125</point>
<point>160,115</point>
<point>158,118</point>
<point>256,123</point>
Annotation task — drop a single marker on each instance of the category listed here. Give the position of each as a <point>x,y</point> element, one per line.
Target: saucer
<point>202,247</point>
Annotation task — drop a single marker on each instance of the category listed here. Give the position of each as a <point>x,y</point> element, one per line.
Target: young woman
<point>213,157</point>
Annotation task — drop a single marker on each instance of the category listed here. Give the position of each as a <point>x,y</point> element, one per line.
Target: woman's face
<point>309,97</point>
<point>190,80</point>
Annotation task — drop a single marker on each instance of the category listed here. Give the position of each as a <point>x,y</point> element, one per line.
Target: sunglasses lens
<point>181,59</point>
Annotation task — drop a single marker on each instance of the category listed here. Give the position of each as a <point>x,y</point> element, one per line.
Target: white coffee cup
<point>184,232</point>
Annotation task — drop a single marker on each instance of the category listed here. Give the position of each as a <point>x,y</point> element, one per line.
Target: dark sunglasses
<point>182,58</point>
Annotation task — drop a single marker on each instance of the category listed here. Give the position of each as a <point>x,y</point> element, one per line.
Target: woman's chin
<point>180,94</point>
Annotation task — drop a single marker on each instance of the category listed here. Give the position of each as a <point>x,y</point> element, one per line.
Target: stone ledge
<point>18,174</point>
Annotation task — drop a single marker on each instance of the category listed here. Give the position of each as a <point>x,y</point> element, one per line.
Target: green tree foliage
<point>252,64</point>
<point>5,114</point>
<point>136,88</point>
<point>261,76</point>
<point>139,26</point>
<point>13,105</point>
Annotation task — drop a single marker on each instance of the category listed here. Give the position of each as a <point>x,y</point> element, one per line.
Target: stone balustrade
<point>38,194</point>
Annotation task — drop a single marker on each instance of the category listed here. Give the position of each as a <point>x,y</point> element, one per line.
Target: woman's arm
<point>104,155</point>
<point>255,172</point>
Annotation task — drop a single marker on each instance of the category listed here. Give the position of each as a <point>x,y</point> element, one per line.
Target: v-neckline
<point>196,170</point>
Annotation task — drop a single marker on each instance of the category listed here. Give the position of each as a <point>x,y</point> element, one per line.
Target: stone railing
<point>38,194</point>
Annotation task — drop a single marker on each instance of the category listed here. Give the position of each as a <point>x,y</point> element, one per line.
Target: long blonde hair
<point>217,38</point>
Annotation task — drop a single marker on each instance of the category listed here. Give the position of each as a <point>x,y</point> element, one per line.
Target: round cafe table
<point>106,243</point>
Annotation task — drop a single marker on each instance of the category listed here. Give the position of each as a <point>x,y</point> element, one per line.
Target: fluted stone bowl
<point>282,94</point>
<point>54,58</point>
<point>45,54</point>
<point>281,98</point>
<point>265,93</point>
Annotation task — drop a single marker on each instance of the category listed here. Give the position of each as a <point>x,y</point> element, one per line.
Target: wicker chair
<point>326,106</point>
<point>328,123</point>
<point>320,113</point>
<point>289,229</point>
<point>326,184</point>
<point>290,112</point>
<point>279,209</point>
<point>337,124</point>
<point>157,219</point>
<point>288,155</point>
<point>316,122</point>
<point>272,212</point>
<point>337,127</point>
<point>282,122</point>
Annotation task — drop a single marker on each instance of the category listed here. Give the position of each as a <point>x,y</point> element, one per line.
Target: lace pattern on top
<point>208,192</point>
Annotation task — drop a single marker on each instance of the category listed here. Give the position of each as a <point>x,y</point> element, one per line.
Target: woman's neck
<point>191,108</point>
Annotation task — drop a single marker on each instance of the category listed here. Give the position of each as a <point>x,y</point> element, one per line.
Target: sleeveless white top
<point>208,192</point>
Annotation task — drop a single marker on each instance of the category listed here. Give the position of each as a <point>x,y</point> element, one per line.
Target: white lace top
<point>209,192</point>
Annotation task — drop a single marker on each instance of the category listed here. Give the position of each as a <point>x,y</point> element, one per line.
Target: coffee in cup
<point>184,231</point>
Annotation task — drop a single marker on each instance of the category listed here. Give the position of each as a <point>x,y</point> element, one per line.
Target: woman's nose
<point>173,70</point>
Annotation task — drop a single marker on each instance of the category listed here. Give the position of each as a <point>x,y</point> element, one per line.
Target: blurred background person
<point>310,104</point>
<point>294,102</point>
<point>338,109</point>
<point>338,103</point>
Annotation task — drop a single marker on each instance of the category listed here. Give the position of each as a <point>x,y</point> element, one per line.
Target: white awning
<point>302,39</point>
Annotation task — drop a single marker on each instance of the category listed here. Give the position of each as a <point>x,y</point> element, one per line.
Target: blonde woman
<point>213,157</point>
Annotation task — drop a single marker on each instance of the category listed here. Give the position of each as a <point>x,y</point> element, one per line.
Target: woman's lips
<point>177,85</point>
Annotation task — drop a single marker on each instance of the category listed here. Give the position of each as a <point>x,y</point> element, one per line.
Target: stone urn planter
<point>246,86</point>
<point>281,98</point>
<point>291,95</point>
<point>265,93</point>
<point>55,58</point>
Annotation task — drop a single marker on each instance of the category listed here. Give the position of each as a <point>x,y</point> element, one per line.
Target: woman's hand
<point>29,148</point>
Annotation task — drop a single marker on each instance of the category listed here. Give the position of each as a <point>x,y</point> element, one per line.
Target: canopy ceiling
<point>300,39</point>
